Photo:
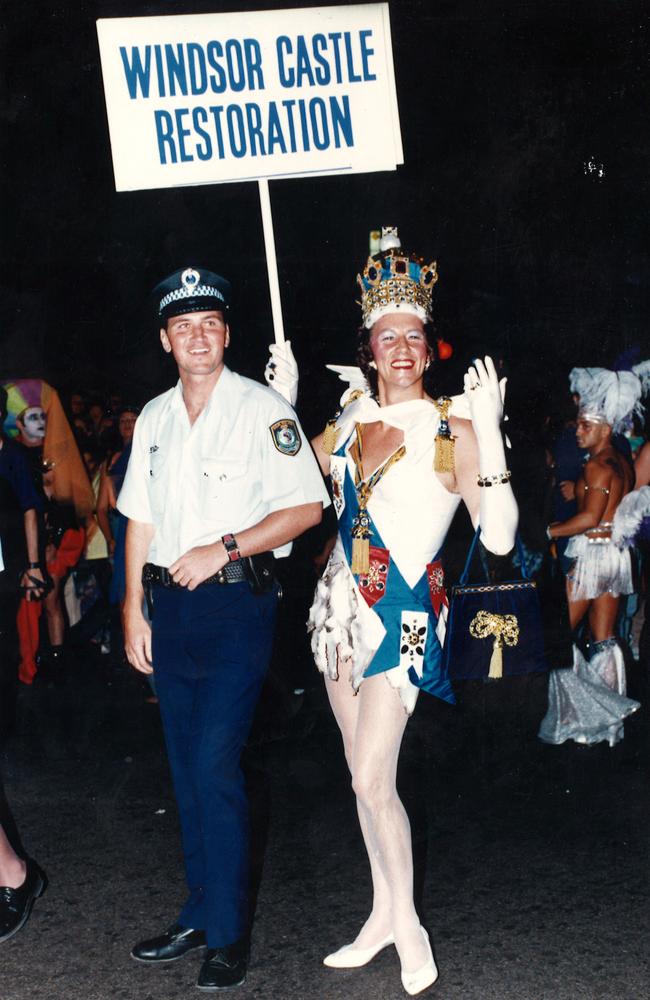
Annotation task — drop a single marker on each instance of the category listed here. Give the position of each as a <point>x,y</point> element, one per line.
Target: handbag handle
<point>472,548</point>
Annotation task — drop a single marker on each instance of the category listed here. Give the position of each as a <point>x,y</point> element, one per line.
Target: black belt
<point>232,572</point>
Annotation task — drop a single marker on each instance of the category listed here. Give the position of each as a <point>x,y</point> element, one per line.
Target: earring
<point>427,366</point>
<point>371,364</point>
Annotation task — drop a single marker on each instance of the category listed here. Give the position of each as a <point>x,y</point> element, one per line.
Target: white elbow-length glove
<point>485,396</point>
<point>498,511</point>
<point>281,371</point>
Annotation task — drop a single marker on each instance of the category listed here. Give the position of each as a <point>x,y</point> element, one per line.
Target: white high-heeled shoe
<point>349,957</point>
<point>426,975</point>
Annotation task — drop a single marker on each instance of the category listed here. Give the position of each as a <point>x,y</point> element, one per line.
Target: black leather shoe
<point>174,943</point>
<point>16,904</point>
<point>224,968</point>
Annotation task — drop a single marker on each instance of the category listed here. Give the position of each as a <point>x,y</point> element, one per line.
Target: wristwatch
<point>231,547</point>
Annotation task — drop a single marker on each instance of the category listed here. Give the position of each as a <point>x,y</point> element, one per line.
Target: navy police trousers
<point>211,648</point>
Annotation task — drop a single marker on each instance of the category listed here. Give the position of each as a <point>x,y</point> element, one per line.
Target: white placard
<point>209,98</point>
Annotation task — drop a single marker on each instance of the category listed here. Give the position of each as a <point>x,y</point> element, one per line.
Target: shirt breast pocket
<point>223,481</point>
<point>157,489</point>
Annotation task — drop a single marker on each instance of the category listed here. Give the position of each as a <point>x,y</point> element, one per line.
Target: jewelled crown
<point>394,280</point>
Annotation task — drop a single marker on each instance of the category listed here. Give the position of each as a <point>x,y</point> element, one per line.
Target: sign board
<point>209,98</point>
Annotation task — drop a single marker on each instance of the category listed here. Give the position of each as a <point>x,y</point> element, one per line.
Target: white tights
<point>372,725</point>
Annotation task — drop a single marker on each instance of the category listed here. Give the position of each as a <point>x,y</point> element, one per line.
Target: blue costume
<point>396,595</point>
<point>390,620</point>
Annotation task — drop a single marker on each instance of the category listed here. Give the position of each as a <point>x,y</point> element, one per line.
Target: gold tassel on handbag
<point>504,628</point>
<point>444,455</point>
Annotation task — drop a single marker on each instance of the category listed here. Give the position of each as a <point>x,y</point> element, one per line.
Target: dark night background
<point>503,106</point>
<point>531,861</point>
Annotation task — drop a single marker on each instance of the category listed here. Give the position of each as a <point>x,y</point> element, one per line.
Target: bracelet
<point>231,547</point>
<point>548,533</point>
<point>35,565</point>
<point>499,480</point>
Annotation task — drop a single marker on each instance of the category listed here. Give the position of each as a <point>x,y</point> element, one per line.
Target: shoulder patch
<point>286,436</point>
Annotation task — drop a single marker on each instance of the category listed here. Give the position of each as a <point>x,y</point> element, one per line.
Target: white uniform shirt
<point>224,474</point>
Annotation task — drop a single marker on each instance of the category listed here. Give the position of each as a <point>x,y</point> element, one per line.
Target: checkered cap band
<point>201,291</point>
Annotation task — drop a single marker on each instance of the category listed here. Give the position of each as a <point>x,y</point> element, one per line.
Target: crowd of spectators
<point>63,592</point>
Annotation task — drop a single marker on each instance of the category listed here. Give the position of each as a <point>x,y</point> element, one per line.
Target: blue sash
<point>398,597</point>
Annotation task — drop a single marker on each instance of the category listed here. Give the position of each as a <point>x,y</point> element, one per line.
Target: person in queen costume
<point>400,462</point>
<point>588,703</point>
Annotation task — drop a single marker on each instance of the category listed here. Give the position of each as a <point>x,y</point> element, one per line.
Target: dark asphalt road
<point>533,860</point>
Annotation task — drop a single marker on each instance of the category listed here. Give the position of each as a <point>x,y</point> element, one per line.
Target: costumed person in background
<point>400,462</point>
<point>35,415</point>
<point>588,704</point>
<point>21,880</point>
<point>24,572</point>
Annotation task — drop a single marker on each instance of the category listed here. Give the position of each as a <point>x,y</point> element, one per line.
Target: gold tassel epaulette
<point>330,434</point>
<point>443,460</point>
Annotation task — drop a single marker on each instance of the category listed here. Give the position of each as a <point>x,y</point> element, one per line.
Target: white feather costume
<point>611,396</point>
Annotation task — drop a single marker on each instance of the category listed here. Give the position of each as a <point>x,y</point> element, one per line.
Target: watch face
<point>230,545</point>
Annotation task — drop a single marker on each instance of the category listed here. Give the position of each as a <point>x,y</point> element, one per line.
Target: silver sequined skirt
<point>600,568</point>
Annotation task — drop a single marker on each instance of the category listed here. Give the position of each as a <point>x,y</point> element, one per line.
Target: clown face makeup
<point>32,423</point>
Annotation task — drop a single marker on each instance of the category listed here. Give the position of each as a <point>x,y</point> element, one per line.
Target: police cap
<point>191,289</point>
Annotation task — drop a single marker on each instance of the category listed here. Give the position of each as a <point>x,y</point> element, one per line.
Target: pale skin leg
<point>372,725</point>
<point>12,868</point>
<point>345,707</point>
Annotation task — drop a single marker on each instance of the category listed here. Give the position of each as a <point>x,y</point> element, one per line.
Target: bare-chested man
<point>594,584</point>
<point>588,704</point>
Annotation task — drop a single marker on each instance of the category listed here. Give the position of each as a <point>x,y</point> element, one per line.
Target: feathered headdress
<point>610,397</point>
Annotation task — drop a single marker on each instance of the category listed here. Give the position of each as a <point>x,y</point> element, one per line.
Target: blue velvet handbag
<point>493,629</point>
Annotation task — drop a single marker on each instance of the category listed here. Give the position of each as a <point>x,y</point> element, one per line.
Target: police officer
<point>220,476</point>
